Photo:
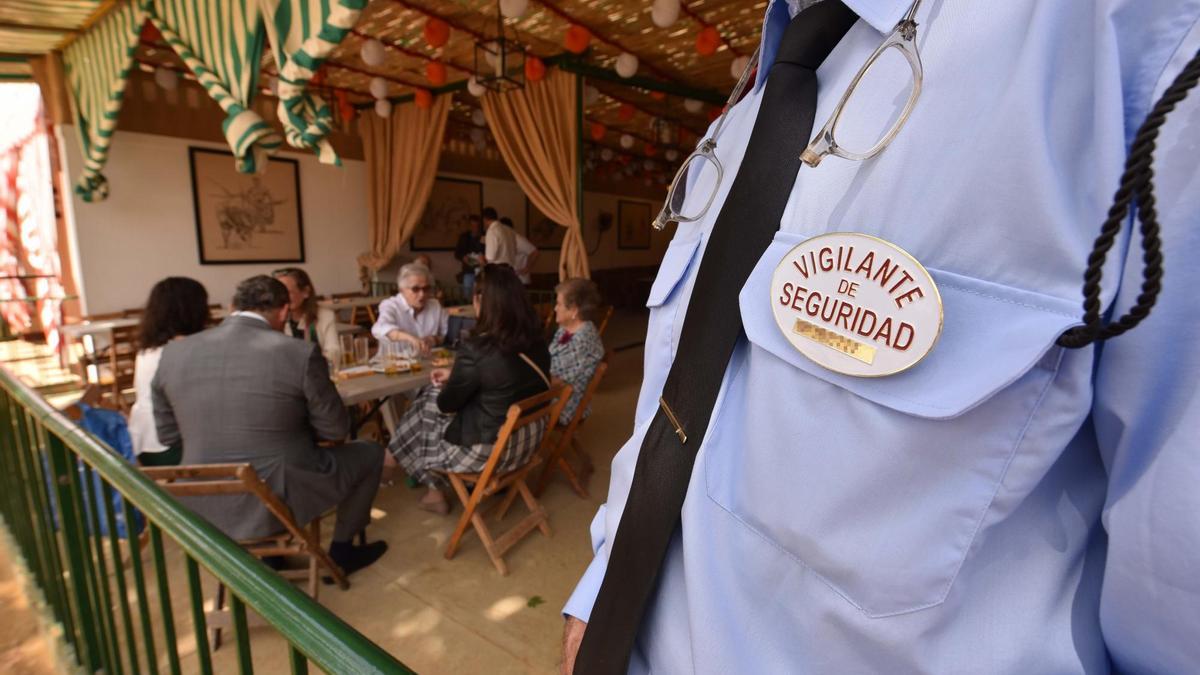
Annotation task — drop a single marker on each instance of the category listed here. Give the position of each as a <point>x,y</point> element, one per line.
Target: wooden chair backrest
<point>604,318</point>
<point>104,316</point>
<point>547,406</point>
<point>205,480</point>
<point>122,356</point>
<point>351,294</point>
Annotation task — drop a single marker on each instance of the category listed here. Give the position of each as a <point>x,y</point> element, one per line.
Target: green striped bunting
<point>97,66</point>
<point>303,33</point>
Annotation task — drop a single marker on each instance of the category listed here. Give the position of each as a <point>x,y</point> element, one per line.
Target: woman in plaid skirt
<point>454,421</point>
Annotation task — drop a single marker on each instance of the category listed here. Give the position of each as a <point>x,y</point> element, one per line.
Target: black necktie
<point>712,326</point>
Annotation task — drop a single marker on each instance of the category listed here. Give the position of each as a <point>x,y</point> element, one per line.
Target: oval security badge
<point>856,304</point>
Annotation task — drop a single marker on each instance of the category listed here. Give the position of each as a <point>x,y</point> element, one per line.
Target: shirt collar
<point>882,15</point>
<point>254,315</point>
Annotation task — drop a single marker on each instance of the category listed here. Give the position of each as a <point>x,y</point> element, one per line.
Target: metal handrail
<point>313,632</point>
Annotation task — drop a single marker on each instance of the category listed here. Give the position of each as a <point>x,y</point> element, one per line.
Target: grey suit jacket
<point>244,392</point>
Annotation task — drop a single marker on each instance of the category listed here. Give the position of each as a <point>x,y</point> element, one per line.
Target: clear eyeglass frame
<point>903,38</point>
<point>705,152</point>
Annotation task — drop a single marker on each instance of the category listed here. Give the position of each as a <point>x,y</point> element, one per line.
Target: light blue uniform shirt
<point>1006,506</point>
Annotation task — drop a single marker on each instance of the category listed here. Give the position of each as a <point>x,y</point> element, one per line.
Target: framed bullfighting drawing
<point>246,218</point>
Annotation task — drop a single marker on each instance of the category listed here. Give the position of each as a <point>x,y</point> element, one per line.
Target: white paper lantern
<point>692,105</point>
<point>627,65</point>
<point>372,52</point>
<point>379,87</point>
<point>739,66</point>
<point>591,95</point>
<point>478,118</point>
<point>664,12</point>
<point>606,154</point>
<point>383,108</point>
<point>626,141</point>
<point>166,78</point>
<point>513,9</point>
<point>671,154</point>
<point>478,136</point>
<point>475,88</point>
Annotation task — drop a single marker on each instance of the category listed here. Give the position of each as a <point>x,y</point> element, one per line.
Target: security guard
<point>878,432</point>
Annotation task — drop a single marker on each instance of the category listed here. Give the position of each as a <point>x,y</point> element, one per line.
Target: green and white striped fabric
<point>97,65</point>
<point>221,42</point>
<point>303,33</point>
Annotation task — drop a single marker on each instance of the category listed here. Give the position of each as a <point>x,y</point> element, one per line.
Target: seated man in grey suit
<point>245,392</point>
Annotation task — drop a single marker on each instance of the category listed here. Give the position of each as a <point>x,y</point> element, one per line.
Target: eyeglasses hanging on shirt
<point>864,134</point>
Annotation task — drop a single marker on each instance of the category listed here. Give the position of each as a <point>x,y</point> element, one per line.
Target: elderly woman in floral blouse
<point>576,349</point>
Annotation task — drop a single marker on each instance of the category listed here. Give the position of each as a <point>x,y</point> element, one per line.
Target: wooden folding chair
<point>605,316</point>
<point>557,460</point>
<point>545,406</point>
<point>201,480</point>
<point>122,355</point>
<point>354,310</point>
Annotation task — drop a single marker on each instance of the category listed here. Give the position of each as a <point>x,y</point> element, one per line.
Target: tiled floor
<point>460,616</point>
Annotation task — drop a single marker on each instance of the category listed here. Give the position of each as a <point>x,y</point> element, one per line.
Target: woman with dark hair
<point>177,307</point>
<point>454,422</point>
<point>308,320</point>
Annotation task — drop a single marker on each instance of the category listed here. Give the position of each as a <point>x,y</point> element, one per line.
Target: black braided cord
<point>1137,185</point>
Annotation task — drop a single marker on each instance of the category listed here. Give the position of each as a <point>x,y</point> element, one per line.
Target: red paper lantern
<point>423,98</point>
<point>625,112</point>
<point>436,32</point>
<point>577,39</point>
<point>345,108</point>
<point>651,150</point>
<point>435,72</point>
<point>658,96</point>
<point>535,69</point>
<point>598,131</point>
<point>707,41</point>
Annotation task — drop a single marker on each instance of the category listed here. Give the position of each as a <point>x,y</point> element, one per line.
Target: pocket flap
<point>672,269</point>
<point>991,335</point>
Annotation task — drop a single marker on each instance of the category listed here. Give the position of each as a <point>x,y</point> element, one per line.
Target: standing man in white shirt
<point>527,253</point>
<point>413,315</point>
<point>500,242</point>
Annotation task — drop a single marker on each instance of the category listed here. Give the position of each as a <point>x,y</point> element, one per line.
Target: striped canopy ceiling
<point>39,26</point>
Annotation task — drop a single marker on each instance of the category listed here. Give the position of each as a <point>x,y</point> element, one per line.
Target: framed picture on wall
<point>451,202</point>
<point>539,229</point>
<point>246,218</point>
<point>633,225</point>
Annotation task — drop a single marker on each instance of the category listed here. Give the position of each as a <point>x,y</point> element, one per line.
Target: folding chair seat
<point>206,480</point>
<point>511,484</point>
<point>556,460</point>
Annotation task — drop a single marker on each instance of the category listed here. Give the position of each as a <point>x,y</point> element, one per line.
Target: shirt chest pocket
<point>667,303</point>
<point>880,485</point>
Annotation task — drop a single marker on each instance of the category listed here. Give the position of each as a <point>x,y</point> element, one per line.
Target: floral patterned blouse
<point>573,358</point>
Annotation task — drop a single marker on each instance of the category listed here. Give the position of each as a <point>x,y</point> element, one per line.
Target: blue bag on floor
<point>109,427</point>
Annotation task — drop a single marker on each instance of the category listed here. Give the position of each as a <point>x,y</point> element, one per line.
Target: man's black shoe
<point>352,558</point>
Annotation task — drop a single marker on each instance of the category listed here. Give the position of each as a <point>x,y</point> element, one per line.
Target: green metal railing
<point>56,488</point>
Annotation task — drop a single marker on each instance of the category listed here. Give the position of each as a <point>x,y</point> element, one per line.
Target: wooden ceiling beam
<point>642,60</point>
<point>700,20</point>
<point>362,71</point>
<point>651,113</point>
<point>407,51</point>
<point>434,15</point>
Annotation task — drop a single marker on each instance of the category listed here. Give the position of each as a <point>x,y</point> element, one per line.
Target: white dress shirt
<point>525,248</point>
<point>500,244</point>
<point>396,314</point>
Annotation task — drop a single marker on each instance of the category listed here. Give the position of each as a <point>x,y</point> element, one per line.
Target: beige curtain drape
<point>537,133</point>
<point>402,157</point>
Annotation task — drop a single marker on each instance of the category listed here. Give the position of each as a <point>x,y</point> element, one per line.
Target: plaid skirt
<point>419,446</point>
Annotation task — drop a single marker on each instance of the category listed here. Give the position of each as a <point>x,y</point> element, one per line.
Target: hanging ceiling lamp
<point>500,63</point>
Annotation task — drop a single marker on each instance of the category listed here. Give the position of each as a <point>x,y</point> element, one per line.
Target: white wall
<point>508,199</point>
<point>146,228</point>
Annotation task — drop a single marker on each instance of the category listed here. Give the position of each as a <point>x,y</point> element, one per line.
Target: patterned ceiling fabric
<point>303,33</point>
<point>221,42</point>
<point>66,14</point>
<point>97,65</point>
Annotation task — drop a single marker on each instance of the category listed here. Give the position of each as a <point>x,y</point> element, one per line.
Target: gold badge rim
<point>937,294</point>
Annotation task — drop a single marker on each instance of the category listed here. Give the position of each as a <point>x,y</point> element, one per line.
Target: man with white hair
<point>413,315</point>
